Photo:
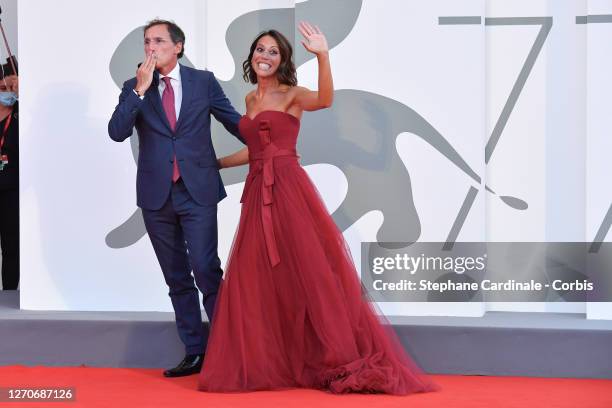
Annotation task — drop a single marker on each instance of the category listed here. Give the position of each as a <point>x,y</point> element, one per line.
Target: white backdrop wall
<point>443,68</point>
<point>599,125</point>
<point>541,152</point>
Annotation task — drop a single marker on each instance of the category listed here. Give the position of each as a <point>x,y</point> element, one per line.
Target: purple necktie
<point>168,104</point>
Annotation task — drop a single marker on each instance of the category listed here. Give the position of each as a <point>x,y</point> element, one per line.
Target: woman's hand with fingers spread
<point>314,40</point>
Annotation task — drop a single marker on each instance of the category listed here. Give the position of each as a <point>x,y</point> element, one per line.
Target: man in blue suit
<point>178,184</point>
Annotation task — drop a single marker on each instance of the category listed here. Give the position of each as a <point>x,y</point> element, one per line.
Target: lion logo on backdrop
<point>357,119</point>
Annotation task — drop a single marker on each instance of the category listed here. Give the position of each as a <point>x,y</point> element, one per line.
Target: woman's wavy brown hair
<point>286,73</point>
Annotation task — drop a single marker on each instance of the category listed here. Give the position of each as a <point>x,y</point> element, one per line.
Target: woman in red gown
<point>291,311</point>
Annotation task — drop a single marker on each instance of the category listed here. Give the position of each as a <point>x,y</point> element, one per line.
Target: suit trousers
<point>184,238</point>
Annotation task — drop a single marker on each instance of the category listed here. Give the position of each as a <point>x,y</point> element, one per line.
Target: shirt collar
<point>174,74</point>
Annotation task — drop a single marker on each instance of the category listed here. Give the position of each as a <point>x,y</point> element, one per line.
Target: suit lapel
<point>152,95</point>
<point>187,90</point>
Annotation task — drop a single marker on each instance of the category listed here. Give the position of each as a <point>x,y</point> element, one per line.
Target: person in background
<point>9,181</point>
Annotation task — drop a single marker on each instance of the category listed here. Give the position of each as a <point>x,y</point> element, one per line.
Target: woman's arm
<point>315,42</point>
<point>239,158</point>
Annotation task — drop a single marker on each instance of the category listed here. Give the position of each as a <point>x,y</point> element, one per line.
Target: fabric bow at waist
<point>262,163</point>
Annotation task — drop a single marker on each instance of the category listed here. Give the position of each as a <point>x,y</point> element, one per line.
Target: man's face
<point>157,42</point>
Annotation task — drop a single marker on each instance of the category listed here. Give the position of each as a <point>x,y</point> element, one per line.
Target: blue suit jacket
<point>202,96</point>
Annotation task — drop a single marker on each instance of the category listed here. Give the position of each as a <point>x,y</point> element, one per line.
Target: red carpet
<point>113,387</point>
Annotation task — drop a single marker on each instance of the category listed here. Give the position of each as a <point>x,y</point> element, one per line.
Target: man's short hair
<point>176,34</point>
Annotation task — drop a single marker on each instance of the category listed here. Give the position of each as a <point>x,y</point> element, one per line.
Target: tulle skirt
<point>306,321</point>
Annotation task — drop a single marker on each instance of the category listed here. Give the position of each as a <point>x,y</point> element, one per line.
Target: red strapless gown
<point>290,311</point>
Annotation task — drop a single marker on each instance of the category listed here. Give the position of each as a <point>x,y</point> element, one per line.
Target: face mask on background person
<point>8,98</point>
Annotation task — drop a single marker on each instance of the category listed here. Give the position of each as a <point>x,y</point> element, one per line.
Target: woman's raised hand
<point>314,40</point>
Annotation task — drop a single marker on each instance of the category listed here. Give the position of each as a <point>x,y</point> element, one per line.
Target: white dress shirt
<point>175,81</point>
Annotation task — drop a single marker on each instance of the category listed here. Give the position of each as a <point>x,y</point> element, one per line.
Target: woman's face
<point>266,57</point>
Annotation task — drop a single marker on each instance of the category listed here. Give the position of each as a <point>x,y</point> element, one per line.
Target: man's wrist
<point>140,94</point>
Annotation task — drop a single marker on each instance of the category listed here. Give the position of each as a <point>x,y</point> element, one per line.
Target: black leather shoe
<point>191,364</point>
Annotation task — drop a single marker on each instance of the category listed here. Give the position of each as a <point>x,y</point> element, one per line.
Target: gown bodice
<point>271,137</point>
<point>270,127</point>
